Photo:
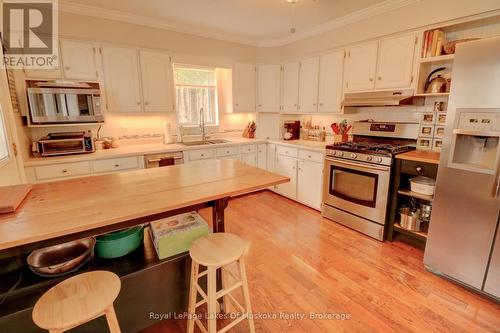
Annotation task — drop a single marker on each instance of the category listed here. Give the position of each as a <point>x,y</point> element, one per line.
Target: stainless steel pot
<point>62,258</point>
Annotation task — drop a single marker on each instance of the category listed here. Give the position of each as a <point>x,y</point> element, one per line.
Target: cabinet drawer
<point>248,149</point>
<point>287,151</point>
<point>201,154</point>
<point>115,164</point>
<point>227,151</point>
<point>311,156</point>
<point>62,170</point>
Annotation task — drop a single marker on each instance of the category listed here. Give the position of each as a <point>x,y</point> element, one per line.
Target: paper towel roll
<point>167,133</point>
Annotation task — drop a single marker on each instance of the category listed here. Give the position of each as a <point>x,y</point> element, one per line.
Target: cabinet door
<point>308,85</point>
<point>262,156</point>
<point>310,183</point>
<point>291,86</point>
<point>331,70</point>
<point>268,88</point>
<point>360,67</point>
<point>287,166</point>
<point>121,71</point>
<point>78,59</point>
<point>244,87</point>
<point>271,157</point>
<point>395,62</point>
<point>157,81</point>
<point>55,73</point>
<point>250,159</point>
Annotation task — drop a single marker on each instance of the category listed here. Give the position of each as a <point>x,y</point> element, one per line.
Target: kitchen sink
<point>206,142</point>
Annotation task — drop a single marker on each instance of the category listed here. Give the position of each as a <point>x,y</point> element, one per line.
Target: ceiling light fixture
<point>293,3</point>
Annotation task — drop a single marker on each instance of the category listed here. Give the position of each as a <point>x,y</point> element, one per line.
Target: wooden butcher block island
<point>71,209</point>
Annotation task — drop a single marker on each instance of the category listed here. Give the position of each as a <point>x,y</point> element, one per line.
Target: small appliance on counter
<point>292,130</point>
<point>64,143</point>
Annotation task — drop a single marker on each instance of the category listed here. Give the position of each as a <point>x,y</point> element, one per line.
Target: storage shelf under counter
<point>408,165</point>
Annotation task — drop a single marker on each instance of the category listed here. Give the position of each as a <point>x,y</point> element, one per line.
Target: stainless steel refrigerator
<point>464,241</point>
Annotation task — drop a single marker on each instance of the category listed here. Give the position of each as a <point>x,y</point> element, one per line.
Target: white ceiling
<point>257,22</point>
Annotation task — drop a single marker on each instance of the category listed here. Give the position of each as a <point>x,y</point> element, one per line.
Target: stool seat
<point>217,249</point>
<point>76,300</point>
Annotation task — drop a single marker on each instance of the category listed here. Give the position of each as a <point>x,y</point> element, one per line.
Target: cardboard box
<point>174,235</point>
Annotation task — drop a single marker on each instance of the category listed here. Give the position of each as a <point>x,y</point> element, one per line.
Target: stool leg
<point>246,294</point>
<point>114,327</point>
<point>55,331</point>
<point>225,284</point>
<point>212,299</point>
<point>193,293</point>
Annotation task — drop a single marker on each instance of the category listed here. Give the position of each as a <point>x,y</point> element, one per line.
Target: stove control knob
<point>340,153</point>
<point>368,158</point>
<point>334,153</point>
<point>353,155</point>
<point>378,159</point>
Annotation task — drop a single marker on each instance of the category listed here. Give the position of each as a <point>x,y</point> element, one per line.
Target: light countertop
<point>158,147</point>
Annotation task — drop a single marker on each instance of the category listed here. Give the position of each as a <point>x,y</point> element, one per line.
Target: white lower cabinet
<point>305,170</point>
<point>63,170</point>
<point>116,164</point>
<point>310,183</point>
<point>287,166</point>
<point>262,156</point>
<point>250,159</point>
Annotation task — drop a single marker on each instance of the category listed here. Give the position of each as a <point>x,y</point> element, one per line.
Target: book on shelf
<point>433,43</point>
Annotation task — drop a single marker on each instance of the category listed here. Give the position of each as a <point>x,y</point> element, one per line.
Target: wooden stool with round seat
<point>217,251</point>
<point>78,300</point>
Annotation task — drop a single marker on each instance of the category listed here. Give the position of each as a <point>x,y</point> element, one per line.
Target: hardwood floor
<point>300,263</point>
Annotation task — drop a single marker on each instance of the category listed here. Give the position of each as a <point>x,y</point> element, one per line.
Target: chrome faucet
<point>202,124</point>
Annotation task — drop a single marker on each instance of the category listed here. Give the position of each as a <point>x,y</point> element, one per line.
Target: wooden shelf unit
<point>445,94</point>
<point>417,234</point>
<point>437,59</point>
<point>411,194</point>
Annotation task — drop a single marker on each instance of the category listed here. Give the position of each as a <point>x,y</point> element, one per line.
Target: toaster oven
<point>65,143</point>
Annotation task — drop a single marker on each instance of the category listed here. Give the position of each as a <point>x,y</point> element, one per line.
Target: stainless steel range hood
<point>379,98</point>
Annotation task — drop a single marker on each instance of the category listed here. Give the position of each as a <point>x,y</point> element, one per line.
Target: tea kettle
<point>437,84</point>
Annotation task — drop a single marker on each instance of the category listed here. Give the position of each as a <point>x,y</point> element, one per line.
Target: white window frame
<point>214,87</point>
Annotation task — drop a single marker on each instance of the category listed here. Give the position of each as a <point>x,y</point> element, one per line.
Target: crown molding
<point>116,15</point>
<point>363,14</point>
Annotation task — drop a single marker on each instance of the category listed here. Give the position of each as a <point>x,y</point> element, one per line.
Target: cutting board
<point>12,196</point>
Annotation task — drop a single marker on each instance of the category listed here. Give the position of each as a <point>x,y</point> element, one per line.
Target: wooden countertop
<point>66,207</point>
<point>420,156</point>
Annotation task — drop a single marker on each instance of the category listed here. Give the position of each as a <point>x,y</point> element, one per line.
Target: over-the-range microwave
<point>64,102</point>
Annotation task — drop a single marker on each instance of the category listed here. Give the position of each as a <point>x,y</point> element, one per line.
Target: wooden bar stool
<point>78,300</point>
<point>218,251</point>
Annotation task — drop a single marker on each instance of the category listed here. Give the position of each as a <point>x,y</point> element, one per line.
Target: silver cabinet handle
<point>379,78</point>
<point>117,165</point>
<point>64,171</point>
<point>370,79</point>
<point>138,103</point>
<point>66,68</point>
<point>147,103</point>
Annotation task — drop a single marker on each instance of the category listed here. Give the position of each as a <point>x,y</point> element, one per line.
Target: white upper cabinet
<point>244,87</point>
<point>157,81</point>
<point>79,60</point>
<point>308,85</point>
<point>360,67</point>
<point>290,87</point>
<point>268,88</point>
<point>330,82</point>
<point>121,71</point>
<point>395,62</point>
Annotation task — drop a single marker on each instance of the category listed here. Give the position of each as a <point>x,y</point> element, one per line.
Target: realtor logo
<point>30,34</point>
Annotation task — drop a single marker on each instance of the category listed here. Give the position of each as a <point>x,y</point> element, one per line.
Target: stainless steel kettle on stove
<point>437,84</point>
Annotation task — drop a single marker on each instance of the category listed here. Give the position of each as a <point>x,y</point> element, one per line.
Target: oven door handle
<point>372,167</point>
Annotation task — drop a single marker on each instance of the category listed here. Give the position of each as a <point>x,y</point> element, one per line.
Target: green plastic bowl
<point>120,243</point>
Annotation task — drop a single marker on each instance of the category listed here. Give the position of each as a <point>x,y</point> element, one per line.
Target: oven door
<point>359,188</point>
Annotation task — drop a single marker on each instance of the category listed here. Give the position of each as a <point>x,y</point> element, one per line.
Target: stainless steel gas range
<point>357,175</point>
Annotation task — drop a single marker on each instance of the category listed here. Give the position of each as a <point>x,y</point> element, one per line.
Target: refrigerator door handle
<point>496,184</point>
